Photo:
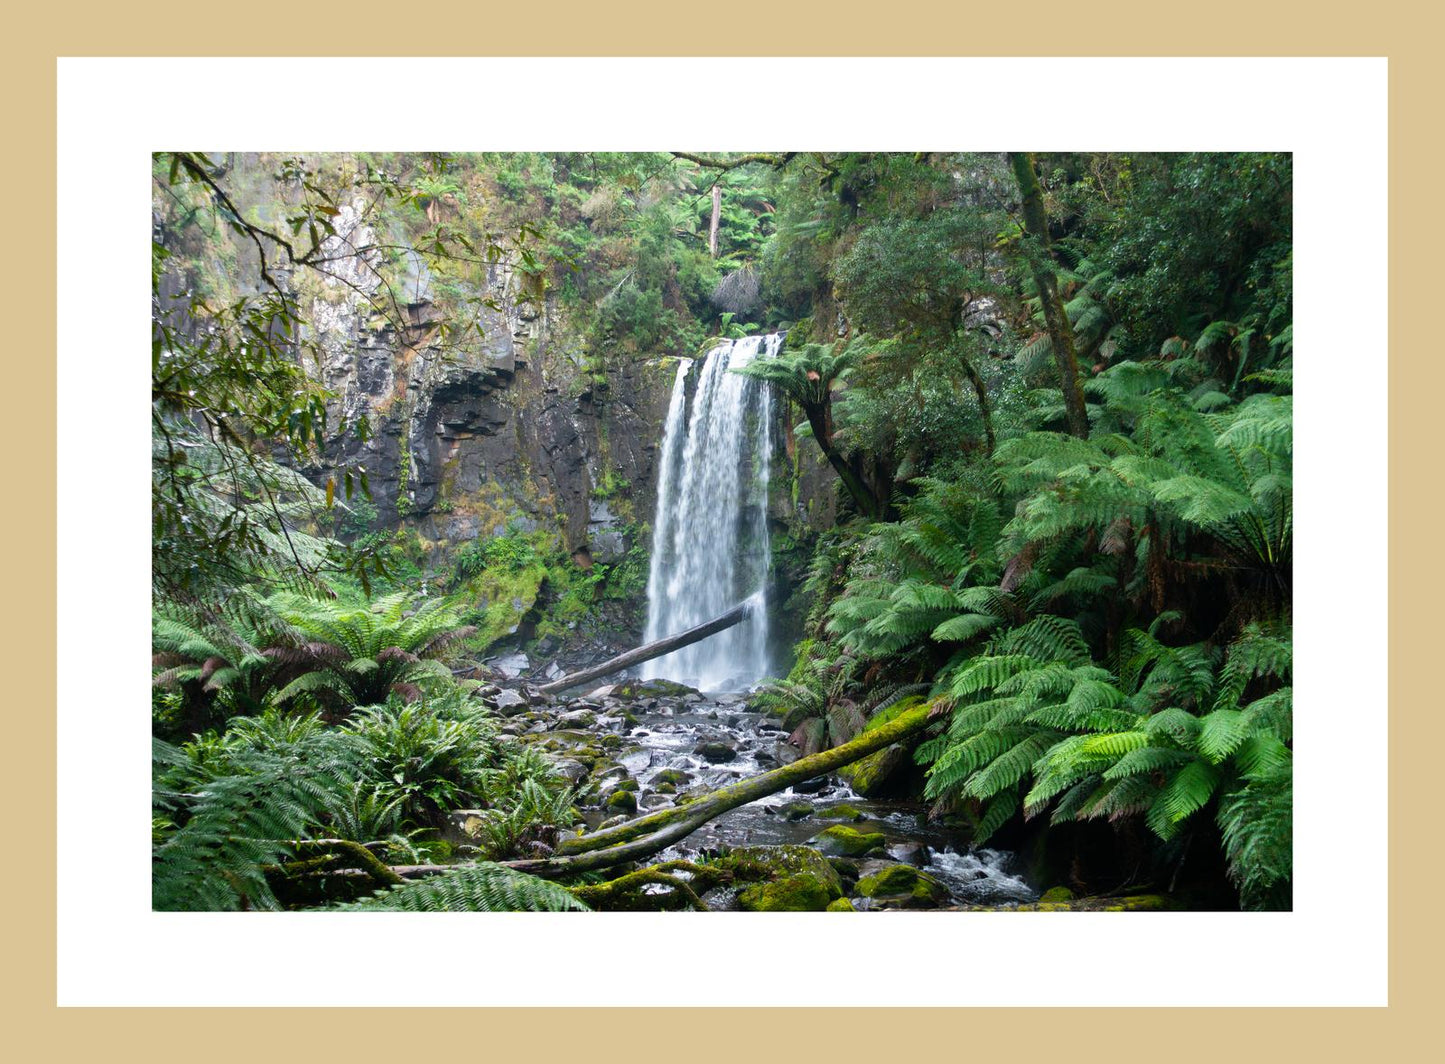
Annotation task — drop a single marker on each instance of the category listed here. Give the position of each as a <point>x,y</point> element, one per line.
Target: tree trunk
<point>648,651</point>
<point>985,409</point>
<point>716,217</point>
<point>1061,334</point>
<point>648,834</point>
<point>820,420</point>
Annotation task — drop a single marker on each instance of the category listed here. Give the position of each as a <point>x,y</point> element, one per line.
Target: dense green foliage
<point>233,809</point>
<point>1108,617</point>
<point>1056,391</point>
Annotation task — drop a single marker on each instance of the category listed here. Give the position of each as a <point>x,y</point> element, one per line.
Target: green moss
<point>869,775</point>
<point>841,812</point>
<point>847,842</point>
<point>675,776</point>
<point>904,884</point>
<point>796,810</point>
<point>621,801</point>
<point>841,905</point>
<point>800,893</point>
<point>1054,894</point>
<point>651,689</point>
<point>788,878</point>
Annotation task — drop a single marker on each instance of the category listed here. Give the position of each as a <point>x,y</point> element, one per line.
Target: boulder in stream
<point>620,801</point>
<point>633,689</point>
<point>901,886</point>
<point>872,775</point>
<point>716,752</point>
<point>786,878</point>
<point>840,841</point>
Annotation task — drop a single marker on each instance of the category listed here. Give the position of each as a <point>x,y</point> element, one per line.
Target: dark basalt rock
<point>716,752</point>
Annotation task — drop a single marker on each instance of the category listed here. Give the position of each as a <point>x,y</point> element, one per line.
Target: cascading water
<point>710,533</point>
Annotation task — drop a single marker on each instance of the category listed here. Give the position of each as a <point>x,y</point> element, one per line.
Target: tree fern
<point>359,654</point>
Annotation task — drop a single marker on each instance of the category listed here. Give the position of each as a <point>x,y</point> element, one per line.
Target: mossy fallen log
<point>625,892</point>
<point>647,835</point>
<point>343,853</point>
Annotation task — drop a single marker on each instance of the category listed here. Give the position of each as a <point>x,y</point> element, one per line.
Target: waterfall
<point>710,532</point>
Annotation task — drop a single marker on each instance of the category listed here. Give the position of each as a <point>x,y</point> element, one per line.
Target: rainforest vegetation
<point>1040,578</point>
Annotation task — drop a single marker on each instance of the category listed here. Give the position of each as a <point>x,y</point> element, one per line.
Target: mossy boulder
<point>841,905</point>
<point>676,776</point>
<point>1057,894</point>
<point>651,689</point>
<point>791,894</point>
<point>797,810</point>
<point>626,785</point>
<point>621,801</point>
<point>870,776</point>
<point>840,841</point>
<point>841,812</point>
<point>902,886</point>
<point>784,878</point>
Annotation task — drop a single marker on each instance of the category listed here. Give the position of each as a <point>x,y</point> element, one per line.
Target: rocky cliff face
<point>489,411</point>
<point>501,426</point>
<point>510,430</point>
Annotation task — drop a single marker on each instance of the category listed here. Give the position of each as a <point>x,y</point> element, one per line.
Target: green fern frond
<point>481,887</point>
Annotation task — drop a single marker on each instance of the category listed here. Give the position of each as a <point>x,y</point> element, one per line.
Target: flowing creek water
<point>688,733</point>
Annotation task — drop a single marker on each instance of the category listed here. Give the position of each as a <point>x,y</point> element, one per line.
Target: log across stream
<point>703,773</point>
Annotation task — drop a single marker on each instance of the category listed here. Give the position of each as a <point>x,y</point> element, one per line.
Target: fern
<point>481,887</point>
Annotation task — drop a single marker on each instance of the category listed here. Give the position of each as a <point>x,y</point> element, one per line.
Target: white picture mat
<point>114,112</point>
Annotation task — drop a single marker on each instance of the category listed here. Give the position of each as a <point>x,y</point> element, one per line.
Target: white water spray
<point>710,533</point>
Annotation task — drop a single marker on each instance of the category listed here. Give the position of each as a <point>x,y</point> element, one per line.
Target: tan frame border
<point>650,27</point>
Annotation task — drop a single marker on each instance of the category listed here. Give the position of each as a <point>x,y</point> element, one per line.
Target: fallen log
<point>345,853</point>
<point>655,649</point>
<point>648,834</point>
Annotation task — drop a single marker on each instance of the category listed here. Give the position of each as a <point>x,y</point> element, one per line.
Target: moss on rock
<point>841,905</point>
<point>840,841</point>
<point>869,776</point>
<point>801,893</point>
<point>797,810</point>
<point>651,689</point>
<point>620,801</point>
<point>784,878</point>
<point>903,885</point>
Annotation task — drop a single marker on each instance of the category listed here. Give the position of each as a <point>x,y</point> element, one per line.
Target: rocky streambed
<point>634,748</point>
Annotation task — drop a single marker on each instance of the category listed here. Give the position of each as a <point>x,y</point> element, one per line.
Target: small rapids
<point>668,736</point>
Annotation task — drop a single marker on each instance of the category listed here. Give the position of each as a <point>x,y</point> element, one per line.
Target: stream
<point>699,742</point>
